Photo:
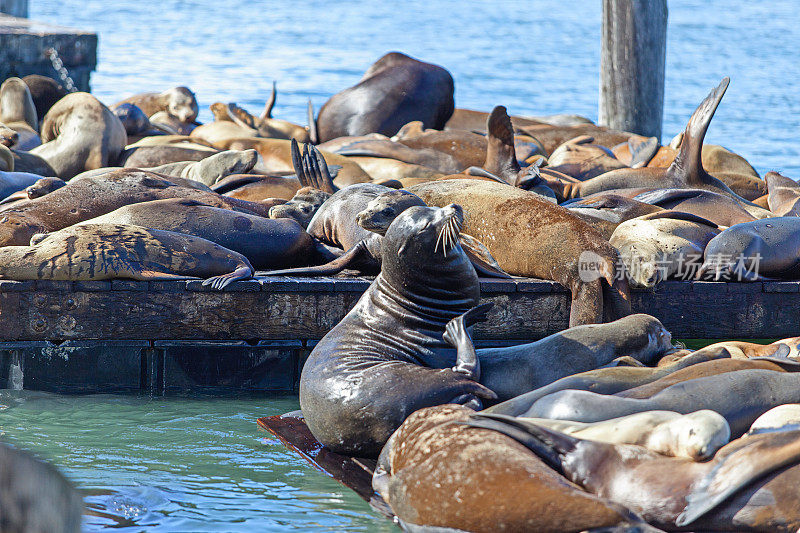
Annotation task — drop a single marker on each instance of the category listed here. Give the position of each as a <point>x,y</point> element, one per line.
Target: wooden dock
<point>24,46</point>
<point>109,336</point>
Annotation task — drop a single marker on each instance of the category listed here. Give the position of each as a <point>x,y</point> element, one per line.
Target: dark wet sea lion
<point>266,243</point>
<point>529,236</point>
<point>80,133</point>
<point>686,171</point>
<point>783,197</point>
<point>395,90</point>
<point>110,251</point>
<point>436,473</point>
<point>389,356</point>
<point>745,487</point>
<point>752,250</point>
<point>764,390</point>
<point>92,197</point>
<point>45,92</point>
<point>179,102</point>
<point>18,113</point>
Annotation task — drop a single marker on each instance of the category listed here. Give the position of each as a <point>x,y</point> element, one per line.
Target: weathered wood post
<point>632,65</point>
<point>15,8</point>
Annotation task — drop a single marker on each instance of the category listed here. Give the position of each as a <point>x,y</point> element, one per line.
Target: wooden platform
<point>178,336</point>
<point>23,43</point>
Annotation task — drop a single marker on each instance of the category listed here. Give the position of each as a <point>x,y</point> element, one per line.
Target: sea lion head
<point>383,209</point>
<point>696,435</point>
<point>133,118</point>
<point>421,255</point>
<point>302,207</point>
<point>8,137</point>
<point>181,104</point>
<point>44,186</point>
<point>16,231</point>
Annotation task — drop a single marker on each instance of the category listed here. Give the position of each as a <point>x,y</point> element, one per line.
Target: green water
<point>181,464</point>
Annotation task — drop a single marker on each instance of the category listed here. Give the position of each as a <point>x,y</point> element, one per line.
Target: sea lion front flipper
<point>501,156</point>
<point>316,170</point>
<point>271,102</point>
<point>457,335</point>
<point>483,173</point>
<point>642,151</point>
<point>220,282</point>
<point>358,251</point>
<point>481,258</point>
<point>755,458</point>
<point>688,164</point>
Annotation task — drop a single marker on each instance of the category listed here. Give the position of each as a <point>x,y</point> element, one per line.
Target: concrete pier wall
<point>15,8</point>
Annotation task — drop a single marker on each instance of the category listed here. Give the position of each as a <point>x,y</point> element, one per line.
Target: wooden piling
<point>632,65</point>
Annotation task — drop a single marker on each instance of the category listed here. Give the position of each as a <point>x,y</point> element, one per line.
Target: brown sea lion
<point>469,120</point>
<point>110,251</point>
<point>18,113</point>
<point>582,159</point>
<point>433,473</point>
<point>718,208</point>
<point>92,197</point>
<point>605,211</point>
<point>395,90</point>
<point>551,137</point>
<point>179,102</point>
<point>265,242</point>
<point>529,236</point>
<point>45,92</point>
<point>783,198</point>
<point>80,133</point>
<point>685,172</point>
<point>153,156</point>
<point>8,137</point>
<point>749,485</point>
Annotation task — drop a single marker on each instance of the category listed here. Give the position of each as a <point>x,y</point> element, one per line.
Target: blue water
<point>199,464</point>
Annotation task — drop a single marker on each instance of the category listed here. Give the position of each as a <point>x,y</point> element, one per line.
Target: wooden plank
<point>352,472</point>
<point>632,65</point>
<point>294,308</point>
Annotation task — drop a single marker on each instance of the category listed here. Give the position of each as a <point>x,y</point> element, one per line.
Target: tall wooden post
<point>632,65</point>
<point>15,8</point>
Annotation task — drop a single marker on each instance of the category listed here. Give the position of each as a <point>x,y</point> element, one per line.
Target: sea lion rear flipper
<point>271,102</point>
<point>660,196</point>
<point>313,134</point>
<point>547,444</point>
<point>481,258</point>
<point>688,164</point>
<point>501,156</point>
<point>220,282</point>
<point>457,335</point>
<point>756,458</point>
<point>315,170</point>
<point>358,251</point>
<point>483,173</point>
<point>642,151</point>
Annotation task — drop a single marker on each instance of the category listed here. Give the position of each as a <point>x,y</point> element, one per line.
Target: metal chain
<point>61,70</point>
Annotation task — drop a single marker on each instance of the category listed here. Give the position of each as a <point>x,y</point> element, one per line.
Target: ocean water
<point>199,463</point>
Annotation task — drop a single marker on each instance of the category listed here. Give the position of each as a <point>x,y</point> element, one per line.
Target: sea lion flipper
<point>688,164</point>
<point>483,173</point>
<point>756,458</point>
<point>501,156</point>
<point>220,282</point>
<point>481,258</point>
<point>297,163</point>
<point>358,251</point>
<point>316,170</point>
<point>313,134</point>
<point>271,102</point>
<point>457,335</point>
<point>642,151</point>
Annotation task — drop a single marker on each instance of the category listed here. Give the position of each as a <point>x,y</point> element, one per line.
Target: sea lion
<point>211,169</point>
<point>32,163</point>
<point>350,390</point>
<point>395,90</point>
<point>266,243</point>
<point>696,436</point>
<point>39,188</point>
<point>11,182</point>
<point>433,473</point>
<point>605,211</point>
<point>754,250</point>
<point>92,197</point>
<point>662,245</point>
<point>8,137</point>
<point>179,102</point>
<point>256,187</point>
<point>574,350</point>
<point>685,172</point>
<point>783,195</point>
<point>231,121</point>
<point>45,92</point>
<point>749,485</point>
<point>552,136</point>
<point>443,162</point>
<point>18,113</point>
<point>111,251</point>
<point>529,236</point>
<point>133,119</point>
<point>720,209</point>
<point>582,159</point>
<point>470,120</point>
<point>80,133</point>
<point>764,390</point>
<point>781,418</point>
<point>153,156</point>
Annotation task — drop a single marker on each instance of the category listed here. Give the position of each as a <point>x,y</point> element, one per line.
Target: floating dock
<point>176,336</point>
<point>25,46</point>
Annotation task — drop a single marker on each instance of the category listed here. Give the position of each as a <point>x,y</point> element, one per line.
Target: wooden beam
<point>632,65</point>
